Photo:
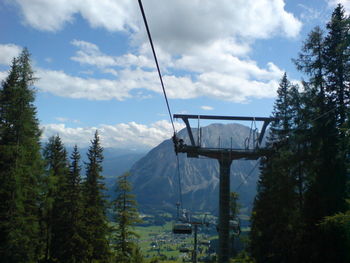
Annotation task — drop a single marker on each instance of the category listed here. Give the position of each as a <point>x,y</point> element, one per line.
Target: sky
<point>96,71</point>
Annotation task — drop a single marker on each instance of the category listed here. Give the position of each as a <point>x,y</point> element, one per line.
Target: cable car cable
<point>156,60</point>
<point>246,177</point>
<point>179,178</point>
<point>164,92</point>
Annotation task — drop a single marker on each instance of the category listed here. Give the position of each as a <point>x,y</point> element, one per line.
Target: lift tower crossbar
<point>225,156</point>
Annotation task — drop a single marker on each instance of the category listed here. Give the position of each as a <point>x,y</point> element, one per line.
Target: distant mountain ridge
<point>155,177</point>
<point>116,161</point>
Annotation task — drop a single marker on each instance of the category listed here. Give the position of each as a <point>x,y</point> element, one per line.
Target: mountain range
<point>157,180</point>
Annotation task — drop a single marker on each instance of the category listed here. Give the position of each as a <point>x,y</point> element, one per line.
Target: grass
<point>158,241</point>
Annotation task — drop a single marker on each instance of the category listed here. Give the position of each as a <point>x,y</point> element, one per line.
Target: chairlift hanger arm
<point>212,117</point>
<point>189,131</point>
<point>186,117</point>
<point>262,132</point>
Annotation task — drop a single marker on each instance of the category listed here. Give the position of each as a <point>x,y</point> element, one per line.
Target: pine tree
<point>275,206</point>
<point>20,165</point>
<point>234,210</point>
<point>126,216</point>
<point>96,228</point>
<point>337,55</point>
<point>324,60</point>
<point>57,170</point>
<point>67,244</point>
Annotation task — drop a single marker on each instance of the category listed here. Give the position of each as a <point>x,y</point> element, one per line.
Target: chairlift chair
<point>205,242</point>
<point>235,226</point>
<point>184,250</point>
<point>182,228</point>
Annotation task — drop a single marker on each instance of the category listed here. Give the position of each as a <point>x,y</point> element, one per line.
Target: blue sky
<point>96,70</point>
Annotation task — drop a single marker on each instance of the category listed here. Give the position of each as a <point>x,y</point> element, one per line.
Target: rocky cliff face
<point>155,177</point>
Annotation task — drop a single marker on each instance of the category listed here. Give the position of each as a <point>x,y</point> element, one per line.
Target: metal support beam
<point>232,118</point>
<point>225,156</point>
<point>186,117</point>
<point>224,210</point>
<point>189,131</point>
<point>262,132</point>
<point>195,244</point>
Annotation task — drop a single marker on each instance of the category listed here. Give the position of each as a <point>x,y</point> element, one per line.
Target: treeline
<point>49,211</point>
<point>301,212</point>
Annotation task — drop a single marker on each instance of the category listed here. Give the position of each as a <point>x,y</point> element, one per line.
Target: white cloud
<point>52,15</point>
<point>61,119</point>
<point>64,119</point>
<point>3,75</point>
<point>218,74</point>
<point>210,40</point>
<point>61,84</point>
<point>220,85</point>
<point>90,54</point>
<point>121,135</point>
<point>207,107</point>
<point>345,3</point>
<point>8,52</point>
<point>176,25</point>
<point>197,22</point>
<point>309,13</point>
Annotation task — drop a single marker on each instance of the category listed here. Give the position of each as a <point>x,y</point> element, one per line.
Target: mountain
<point>116,162</point>
<point>156,182</point>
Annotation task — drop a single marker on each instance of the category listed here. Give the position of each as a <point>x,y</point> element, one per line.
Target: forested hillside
<point>300,212</point>
<point>48,213</point>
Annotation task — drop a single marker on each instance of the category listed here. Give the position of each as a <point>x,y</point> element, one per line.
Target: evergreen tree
<point>275,206</point>
<point>96,228</point>
<point>324,60</point>
<point>68,245</point>
<point>234,210</point>
<point>20,165</point>
<point>337,55</point>
<point>126,217</point>
<point>57,170</point>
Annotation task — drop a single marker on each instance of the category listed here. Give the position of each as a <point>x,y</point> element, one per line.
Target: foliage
<point>339,224</point>
<point>56,171</point>
<point>68,244</point>
<point>234,205</point>
<point>242,257</point>
<point>20,165</point>
<point>277,200</point>
<point>126,216</point>
<point>96,229</point>
<point>302,186</point>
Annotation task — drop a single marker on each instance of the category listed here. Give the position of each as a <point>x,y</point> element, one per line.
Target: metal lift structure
<point>225,156</point>
<point>186,228</point>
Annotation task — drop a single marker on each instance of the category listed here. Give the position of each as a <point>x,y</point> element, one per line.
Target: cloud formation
<point>209,40</point>
<point>53,15</point>
<point>122,135</point>
<point>345,3</point>
<point>204,107</point>
<point>180,26</point>
<point>238,87</point>
<point>194,21</point>
<point>8,52</point>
